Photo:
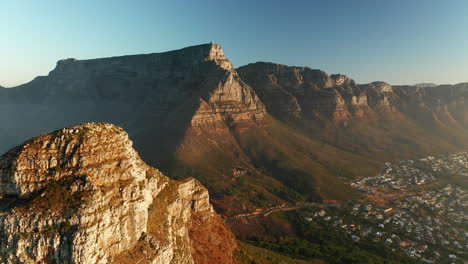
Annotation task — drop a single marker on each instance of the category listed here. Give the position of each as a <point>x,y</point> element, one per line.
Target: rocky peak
<point>216,54</point>
<point>69,151</point>
<point>65,65</point>
<point>382,87</point>
<point>83,195</point>
<point>204,52</point>
<point>66,61</point>
<point>341,79</point>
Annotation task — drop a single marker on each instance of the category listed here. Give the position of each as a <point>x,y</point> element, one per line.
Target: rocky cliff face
<point>193,78</point>
<point>295,92</point>
<point>83,195</point>
<point>445,104</point>
<point>301,91</point>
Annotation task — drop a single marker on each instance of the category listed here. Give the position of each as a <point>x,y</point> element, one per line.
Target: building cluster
<point>406,174</point>
<point>427,219</point>
<point>431,239</point>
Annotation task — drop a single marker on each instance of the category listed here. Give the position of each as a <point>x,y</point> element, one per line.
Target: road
<point>280,208</point>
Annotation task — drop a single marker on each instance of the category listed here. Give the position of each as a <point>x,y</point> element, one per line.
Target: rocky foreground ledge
<point>83,195</point>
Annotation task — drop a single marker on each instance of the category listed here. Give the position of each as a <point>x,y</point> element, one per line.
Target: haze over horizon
<point>399,42</point>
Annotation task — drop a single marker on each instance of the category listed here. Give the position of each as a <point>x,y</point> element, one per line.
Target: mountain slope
<point>374,120</point>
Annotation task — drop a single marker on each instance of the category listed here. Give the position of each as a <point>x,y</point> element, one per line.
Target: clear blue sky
<point>398,41</point>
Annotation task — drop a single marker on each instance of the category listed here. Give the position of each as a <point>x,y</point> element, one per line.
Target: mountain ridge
<point>262,133</point>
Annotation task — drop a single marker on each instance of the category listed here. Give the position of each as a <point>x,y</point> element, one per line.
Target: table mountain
<point>164,92</point>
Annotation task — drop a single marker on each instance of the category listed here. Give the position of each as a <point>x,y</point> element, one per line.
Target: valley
<point>410,209</point>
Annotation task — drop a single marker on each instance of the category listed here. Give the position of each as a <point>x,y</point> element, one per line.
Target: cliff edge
<point>83,195</point>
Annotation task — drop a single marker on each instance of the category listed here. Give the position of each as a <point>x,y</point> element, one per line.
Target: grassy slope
<point>391,137</point>
<point>306,161</point>
<point>283,165</point>
<point>315,241</point>
<point>249,254</point>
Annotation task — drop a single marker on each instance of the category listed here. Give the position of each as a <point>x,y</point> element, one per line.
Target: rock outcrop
<point>83,195</point>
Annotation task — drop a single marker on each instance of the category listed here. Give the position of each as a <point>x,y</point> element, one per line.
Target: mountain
<point>83,195</point>
<point>312,94</point>
<point>257,136</point>
<point>367,119</point>
<point>144,93</point>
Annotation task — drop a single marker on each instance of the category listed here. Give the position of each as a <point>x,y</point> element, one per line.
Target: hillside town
<point>406,174</point>
<point>426,216</point>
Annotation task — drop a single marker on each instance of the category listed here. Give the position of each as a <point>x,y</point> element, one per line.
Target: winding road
<point>271,210</point>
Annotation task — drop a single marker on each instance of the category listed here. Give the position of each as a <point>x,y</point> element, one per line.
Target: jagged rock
<point>340,79</point>
<point>83,195</point>
<point>382,87</point>
<point>313,93</point>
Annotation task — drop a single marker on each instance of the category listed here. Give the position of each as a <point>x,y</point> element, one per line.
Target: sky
<point>397,41</point>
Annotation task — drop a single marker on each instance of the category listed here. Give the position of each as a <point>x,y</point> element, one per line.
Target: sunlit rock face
<point>83,195</point>
<point>295,91</point>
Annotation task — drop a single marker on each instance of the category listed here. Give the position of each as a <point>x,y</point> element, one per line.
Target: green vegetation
<point>55,197</point>
<point>61,228</point>
<point>250,254</point>
<point>327,243</point>
<point>59,168</point>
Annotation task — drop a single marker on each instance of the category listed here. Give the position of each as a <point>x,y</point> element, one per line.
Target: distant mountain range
<point>261,134</point>
<point>424,85</point>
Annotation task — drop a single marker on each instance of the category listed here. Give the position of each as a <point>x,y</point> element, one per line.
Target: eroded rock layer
<point>83,195</point>
<point>301,91</point>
